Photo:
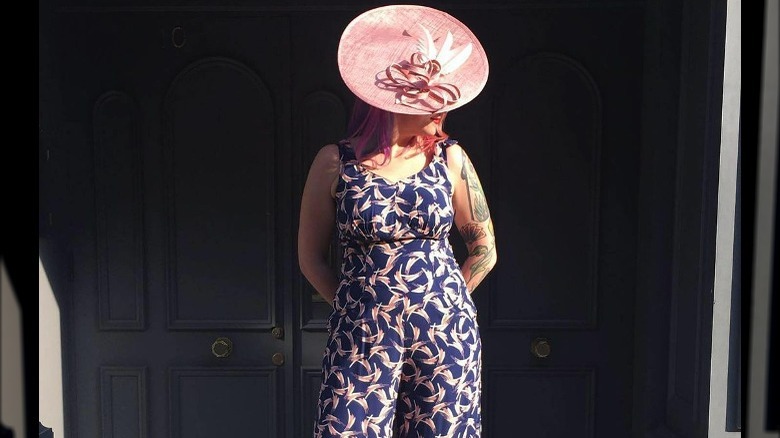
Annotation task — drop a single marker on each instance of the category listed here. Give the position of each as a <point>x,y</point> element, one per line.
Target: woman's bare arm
<point>317,221</point>
<point>472,217</point>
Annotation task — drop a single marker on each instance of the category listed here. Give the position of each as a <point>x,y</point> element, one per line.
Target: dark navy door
<point>187,134</point>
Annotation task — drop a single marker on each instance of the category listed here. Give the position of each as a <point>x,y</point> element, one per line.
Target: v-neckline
<point>366,170</point>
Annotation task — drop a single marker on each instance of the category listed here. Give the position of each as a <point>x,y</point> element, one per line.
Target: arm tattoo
<point>485,255</point>
<point>482,257</point>
<point>479,208</point>
<point>471,232</point>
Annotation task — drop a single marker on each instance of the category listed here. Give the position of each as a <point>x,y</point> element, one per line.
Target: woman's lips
<point>436,119</point>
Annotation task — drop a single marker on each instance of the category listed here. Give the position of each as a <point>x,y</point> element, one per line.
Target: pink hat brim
<point>381,37</point>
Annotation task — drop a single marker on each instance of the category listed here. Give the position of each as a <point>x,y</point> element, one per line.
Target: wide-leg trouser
<point>406,368</point>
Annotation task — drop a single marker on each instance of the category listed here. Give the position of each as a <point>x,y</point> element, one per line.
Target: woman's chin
<point>431,130</point>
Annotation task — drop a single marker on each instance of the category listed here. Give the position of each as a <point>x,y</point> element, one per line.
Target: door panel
<point>555,402</point>
<point>554,111</point>
<point>119,213</point>
<point>219,180</point>
<point>123,396</point>
<point>202,402</point>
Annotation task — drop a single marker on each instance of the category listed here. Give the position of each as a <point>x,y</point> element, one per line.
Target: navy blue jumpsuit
<point>403,357</point>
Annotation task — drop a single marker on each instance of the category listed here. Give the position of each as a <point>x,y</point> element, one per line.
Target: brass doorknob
<point>540,347</point>
<point>278,359</point>
<point>277,332</point>
<point>222,347</point>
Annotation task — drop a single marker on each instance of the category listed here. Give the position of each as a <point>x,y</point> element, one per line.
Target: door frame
<point>681,138</point>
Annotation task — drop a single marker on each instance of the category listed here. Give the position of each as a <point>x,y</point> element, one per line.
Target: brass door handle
<point>540,347</point>
<point>277,332</point>
<point>222,347</point>
<point>278,359</point>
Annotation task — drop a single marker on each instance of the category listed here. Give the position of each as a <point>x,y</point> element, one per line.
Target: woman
<point>403,356</point>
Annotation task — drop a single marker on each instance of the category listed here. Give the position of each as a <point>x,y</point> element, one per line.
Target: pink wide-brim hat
<point>412,59</point>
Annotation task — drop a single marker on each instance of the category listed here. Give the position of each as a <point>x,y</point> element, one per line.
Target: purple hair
<point>370,130</point>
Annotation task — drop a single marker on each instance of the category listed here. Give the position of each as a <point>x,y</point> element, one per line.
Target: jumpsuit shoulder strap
<point>443,145</point>
<point>346,153</point>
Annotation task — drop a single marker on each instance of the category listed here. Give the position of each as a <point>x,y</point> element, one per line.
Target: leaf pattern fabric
<point>403,356</point>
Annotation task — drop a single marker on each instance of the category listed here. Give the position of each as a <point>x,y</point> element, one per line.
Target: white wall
<point>50,399</point>
<point>724,240</point>
<point>765,210</point>
<point>11,373</point>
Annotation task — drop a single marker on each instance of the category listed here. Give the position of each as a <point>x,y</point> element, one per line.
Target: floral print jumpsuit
<point>403,357</point>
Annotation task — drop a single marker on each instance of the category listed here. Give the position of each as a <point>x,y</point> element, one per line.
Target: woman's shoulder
<point>327,160</point>
<point>325,168</point>
<point>328,153</point>
<point>453,153</point>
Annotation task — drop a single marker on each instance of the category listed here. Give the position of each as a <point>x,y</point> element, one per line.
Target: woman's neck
<point>402,142</point>
<point>403,146</point>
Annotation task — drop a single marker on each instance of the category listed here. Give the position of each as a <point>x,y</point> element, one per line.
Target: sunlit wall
<point>50,400</point>
<point>11,375</point>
